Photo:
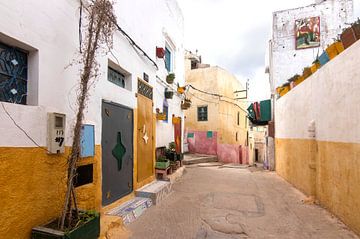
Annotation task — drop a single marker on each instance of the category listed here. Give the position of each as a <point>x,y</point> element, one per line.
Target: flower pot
<point>184,107</point>
<point>339,47</point>
<point>307,72</point>
<point>299,80</point>
<point>173,166</point>
<point>170,155</point>
<point>170,78</point>
<point>334,49</point>
<point>169,94</point>
<point>181,90</point>
<point>162,165</point>
<point>160,116</point>
<point>90,229</point>
<point>356,29</point>
<point>348,37</point>
<point>323,58</point>
<point>282,90</point>
<point>314,67</point>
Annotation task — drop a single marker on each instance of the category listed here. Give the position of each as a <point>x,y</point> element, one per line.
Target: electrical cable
<point>132,42</point>
<point>26,134</point>
<point>80,25</point>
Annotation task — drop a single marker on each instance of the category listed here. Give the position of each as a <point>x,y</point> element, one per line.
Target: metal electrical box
<point>56,133</point>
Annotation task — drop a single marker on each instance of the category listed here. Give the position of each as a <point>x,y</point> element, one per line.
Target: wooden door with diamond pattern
<point>145,139</point>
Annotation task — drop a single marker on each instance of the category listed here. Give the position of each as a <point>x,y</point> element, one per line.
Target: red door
<point>177,134</point>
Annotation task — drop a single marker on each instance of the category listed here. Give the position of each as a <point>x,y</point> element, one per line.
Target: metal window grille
<point>13,74</point>
<point>144,89</point>
<point>116,77</point>
<point>202,113</point>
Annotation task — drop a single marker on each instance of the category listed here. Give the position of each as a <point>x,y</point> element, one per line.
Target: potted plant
<point>181,90</point>
<point>170,152</point>
<point>87,226</point>
<point>315,66</point>
<point>292,81</point>
<point>348,37</point>
<point>185,104</point>
<point>356,27</point>
<point>162,162</point>
<point>323,58</point>
<point>170,78</point>
<point>334,49</point>
<point>307,72</point>
<point>168,94</point>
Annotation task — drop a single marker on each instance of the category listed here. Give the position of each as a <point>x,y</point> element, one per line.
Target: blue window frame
<point>13,74</point>
<point>167,59</point>
<point>166,112</point>
<point>116,77</point>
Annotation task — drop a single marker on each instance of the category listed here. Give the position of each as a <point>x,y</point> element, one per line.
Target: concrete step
<point>156,191</point>
<point>197,159</point>
<point>131,210</point>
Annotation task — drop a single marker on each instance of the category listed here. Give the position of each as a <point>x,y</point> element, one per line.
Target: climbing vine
<point>100,26</point>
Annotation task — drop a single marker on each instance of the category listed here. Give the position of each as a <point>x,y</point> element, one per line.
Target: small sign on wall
<point>209,134</point>
<point>190,135</point>
<point>87,141</point>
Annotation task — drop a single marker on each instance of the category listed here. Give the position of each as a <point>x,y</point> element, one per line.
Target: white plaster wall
<point>49,30</point>
<point>285,60</point>
<point>330,97</point>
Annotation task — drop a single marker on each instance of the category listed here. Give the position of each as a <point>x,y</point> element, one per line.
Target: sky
<point>234,34</point>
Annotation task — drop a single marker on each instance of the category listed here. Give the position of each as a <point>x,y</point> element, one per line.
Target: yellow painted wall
<point>32,189</point>
<point>222,116</point>
<point>328,170</point>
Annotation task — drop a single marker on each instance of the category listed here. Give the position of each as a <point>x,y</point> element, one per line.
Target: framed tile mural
<point>307,33</point>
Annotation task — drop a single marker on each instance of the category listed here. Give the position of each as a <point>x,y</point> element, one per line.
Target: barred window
<point>202,113</point>
<point>13,74</point>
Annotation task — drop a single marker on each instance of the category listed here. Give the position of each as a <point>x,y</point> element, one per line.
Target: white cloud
<point>234,34</point>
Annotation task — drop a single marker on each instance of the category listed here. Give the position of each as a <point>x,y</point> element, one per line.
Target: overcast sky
<point>233,34</point>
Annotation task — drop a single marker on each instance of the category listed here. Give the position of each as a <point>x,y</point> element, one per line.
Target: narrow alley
<point>215,202</point>
<point>179,119</point>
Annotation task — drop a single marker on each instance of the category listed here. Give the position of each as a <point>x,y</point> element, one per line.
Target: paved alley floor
<point>221,203</point>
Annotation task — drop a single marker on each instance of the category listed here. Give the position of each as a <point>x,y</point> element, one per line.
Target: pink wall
<point>201,144</point>
<point>228,153</point>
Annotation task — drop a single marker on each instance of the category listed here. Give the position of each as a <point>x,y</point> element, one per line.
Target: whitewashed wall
<point>49,31</point>
<point>329,98</point>
<point>285,60</point>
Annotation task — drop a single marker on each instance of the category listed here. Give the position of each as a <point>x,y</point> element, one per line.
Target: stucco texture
<point>333,178</point>
<point>32,189</point>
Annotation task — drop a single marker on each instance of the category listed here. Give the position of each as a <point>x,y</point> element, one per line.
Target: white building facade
<point>46,36</point>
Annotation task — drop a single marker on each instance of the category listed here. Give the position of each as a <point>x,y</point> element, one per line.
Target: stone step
<point>156,191</point>
<point>131,210</point>
<point>201,159</point>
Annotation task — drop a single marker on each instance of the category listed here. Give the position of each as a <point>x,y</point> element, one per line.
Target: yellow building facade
<point>222,128</point>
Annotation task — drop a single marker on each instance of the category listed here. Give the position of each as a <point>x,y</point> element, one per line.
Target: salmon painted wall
<point>318,136</point>
<point>231,129</point>
<point>201,143</point>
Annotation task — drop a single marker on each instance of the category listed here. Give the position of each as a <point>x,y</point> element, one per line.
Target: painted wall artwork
<point>307,33</point>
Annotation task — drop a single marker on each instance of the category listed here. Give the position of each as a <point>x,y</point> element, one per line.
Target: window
<point>13,74</point>
<point>238,118</point>
<point>116,77</point>
<point>236,136</point>
<point>168,59</point>
<point>202,113</point>
<point>84,175</point>
<point>166,112</point>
